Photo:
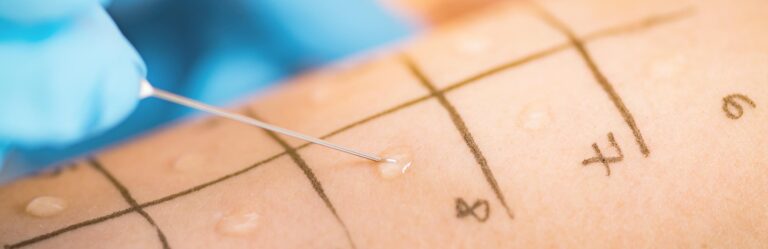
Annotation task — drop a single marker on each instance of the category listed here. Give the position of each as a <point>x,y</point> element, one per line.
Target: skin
<point>701,183</point>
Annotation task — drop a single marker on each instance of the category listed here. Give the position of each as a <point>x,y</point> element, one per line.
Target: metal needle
<point>147,90</point>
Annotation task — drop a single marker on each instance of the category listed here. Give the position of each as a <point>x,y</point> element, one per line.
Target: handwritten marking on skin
<point>600,158</point>
<point>732,108</point>
<point>480,209</point>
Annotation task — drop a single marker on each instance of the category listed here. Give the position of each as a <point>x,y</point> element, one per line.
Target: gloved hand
<point>66,72</point>
<point>213,51</point>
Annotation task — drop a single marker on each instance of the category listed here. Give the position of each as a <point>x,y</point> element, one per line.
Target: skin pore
<point>555,124</point>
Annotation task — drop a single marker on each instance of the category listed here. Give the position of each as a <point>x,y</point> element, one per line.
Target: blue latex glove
<point>66,72</point>
<point>217,51</point>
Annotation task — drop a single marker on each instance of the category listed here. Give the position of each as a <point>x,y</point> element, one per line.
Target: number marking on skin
<point>480,209</point>
<point>732,108</point>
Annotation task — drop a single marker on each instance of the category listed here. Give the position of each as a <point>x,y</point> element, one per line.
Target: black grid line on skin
<point>613,31</point>
<point>462,128</point>
<point>604,83</point>
<point>308,172</point>
<point>128,198</point>
<point>119,213</point>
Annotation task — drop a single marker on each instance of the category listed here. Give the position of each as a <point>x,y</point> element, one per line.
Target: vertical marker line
<point>461,126</point>
<point>316,185</point>
<point>128,198</point>
<point>599,77</point>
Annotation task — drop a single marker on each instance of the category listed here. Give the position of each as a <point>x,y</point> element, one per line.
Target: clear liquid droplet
<point>46,206</point>
<point>472,45</point>
<point>535,117</point>
<point>399,161</point>
<point>238,223</point>
<point>190,162</point>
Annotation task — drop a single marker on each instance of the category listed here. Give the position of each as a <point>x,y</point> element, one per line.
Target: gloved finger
<point>38,11</point>
<point>80,80</point>
<point>328,29</point>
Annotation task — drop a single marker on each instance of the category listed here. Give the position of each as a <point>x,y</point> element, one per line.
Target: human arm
<point>700,184</point>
